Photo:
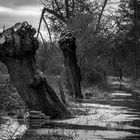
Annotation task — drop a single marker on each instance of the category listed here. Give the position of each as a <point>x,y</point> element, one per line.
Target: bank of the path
<point>114,117</point>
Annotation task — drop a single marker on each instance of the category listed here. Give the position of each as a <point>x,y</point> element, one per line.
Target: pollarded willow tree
<point>67,43</point>
<point>60,14</point>
<point>17,51</point>
<point>84,17</point>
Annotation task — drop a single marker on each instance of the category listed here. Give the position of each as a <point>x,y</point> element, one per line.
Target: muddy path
<point>114,117</point>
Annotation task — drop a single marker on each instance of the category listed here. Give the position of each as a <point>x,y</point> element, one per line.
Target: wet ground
<point>114,117</point>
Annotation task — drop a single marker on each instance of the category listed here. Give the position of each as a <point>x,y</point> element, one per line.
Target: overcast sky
<point>12,11</point>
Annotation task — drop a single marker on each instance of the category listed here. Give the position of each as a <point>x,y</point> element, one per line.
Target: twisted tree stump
<point>17,50</point>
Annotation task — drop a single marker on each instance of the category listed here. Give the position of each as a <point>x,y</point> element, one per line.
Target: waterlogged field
<point>113,118</point>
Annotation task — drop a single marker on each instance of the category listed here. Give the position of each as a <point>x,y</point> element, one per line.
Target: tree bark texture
<point>67,43</point>
<point>17,49</point>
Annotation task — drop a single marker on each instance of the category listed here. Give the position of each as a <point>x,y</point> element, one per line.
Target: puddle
<point>11,129</point>
<point>120,94</point>
<point>112,119</point>
<point>106,116</point>
<point>86,135</point>
<point>103,122</point>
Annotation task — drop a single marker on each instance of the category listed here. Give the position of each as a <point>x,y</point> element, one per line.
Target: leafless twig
<point>47,28</point>
<point>43,11</point>
<point>100,16</point>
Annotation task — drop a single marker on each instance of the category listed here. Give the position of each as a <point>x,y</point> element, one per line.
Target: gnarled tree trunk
<point>73,77</point>
<point>17,50</point>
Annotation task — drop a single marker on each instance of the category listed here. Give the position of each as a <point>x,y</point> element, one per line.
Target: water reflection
<point>11,129</point>
<point>103,122</point>
<point>87,135</point>
<point>113,119</point>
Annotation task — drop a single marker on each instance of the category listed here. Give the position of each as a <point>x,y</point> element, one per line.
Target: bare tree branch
<point>40,22</point>
<point>73,5</point>
<point>59,10</point>
<point>67,9</point>
<point>100,16</point>
<point>54,13</point>
<point>47,29</point>
<point>42,37</point>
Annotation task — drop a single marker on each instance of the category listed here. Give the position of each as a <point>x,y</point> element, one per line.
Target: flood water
<point>115,118</point>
